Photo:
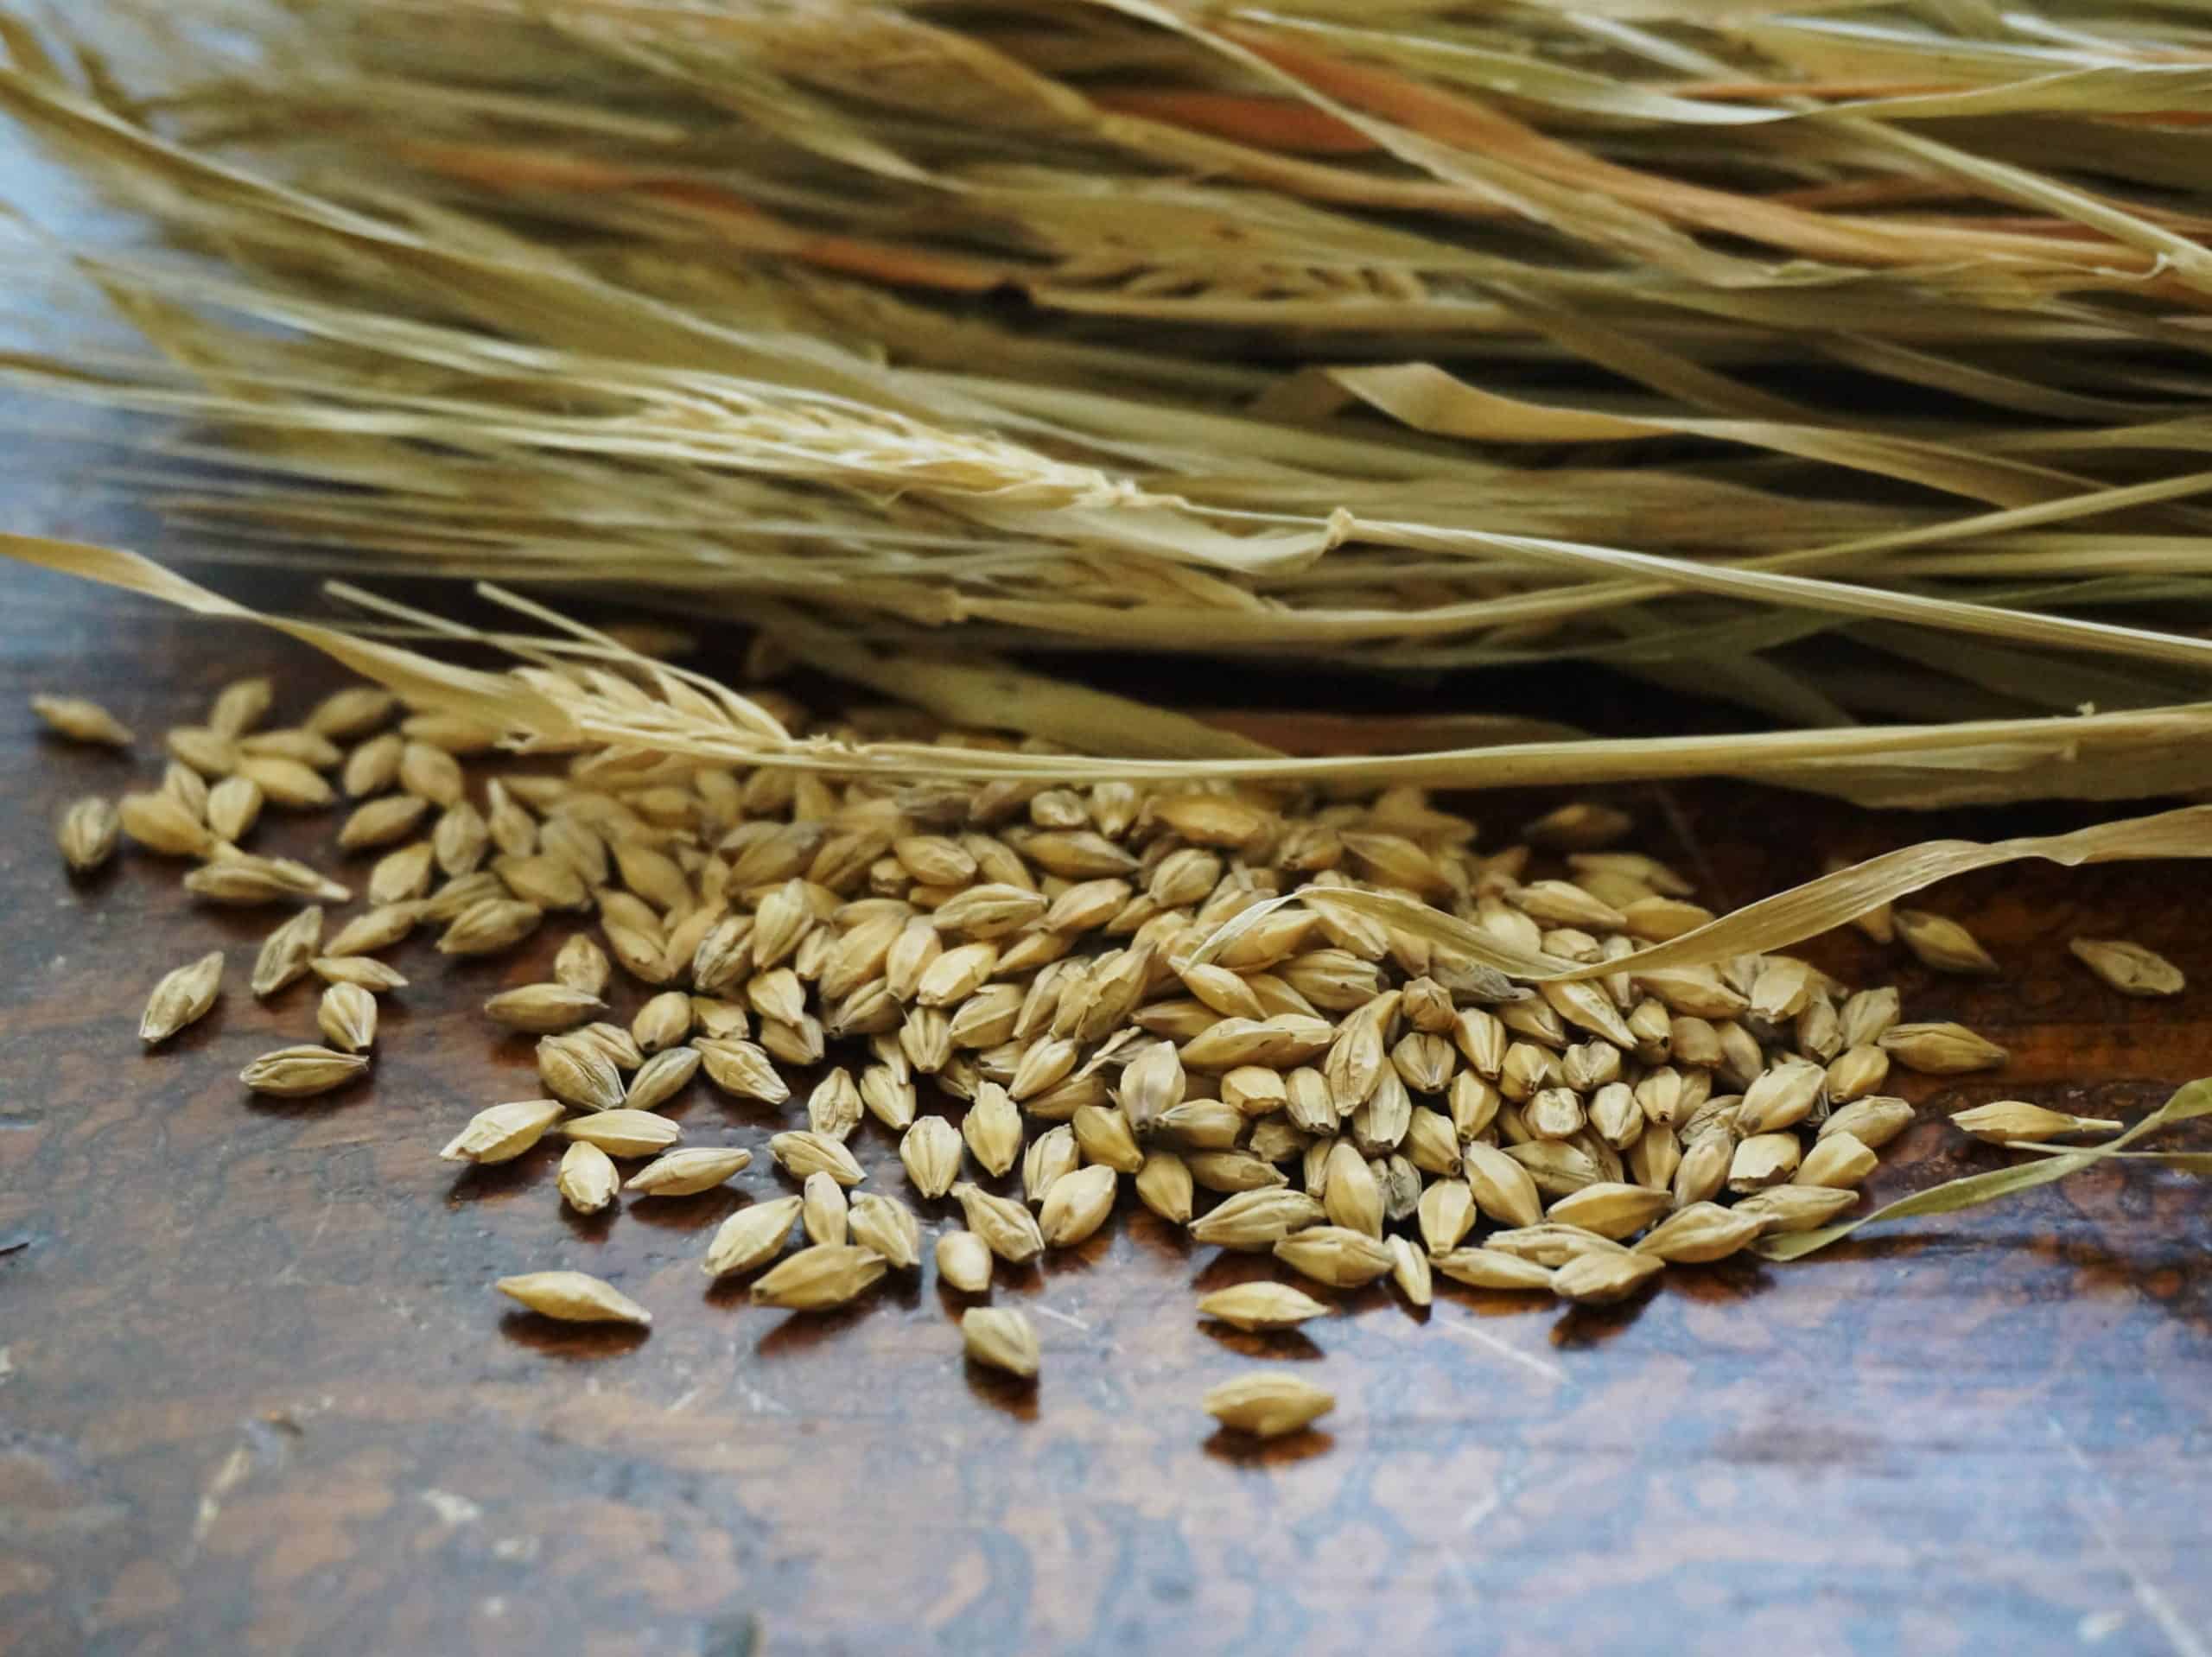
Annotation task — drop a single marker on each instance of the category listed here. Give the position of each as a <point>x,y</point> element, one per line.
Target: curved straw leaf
<point>2192,1101</point>
<point>1774,922</point>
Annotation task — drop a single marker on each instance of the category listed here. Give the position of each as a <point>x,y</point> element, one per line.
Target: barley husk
<point>1075,1206</point>
<point>823,1212</point>
<point>1164,1186</point>
<point>1602,1279</point>
<point>182,997</point>
<point>1610,1208</point>
<point>1332,1254</point>
<point>1256,1220</point>
<point>233,807</point>
<point>1795,1208</point>
<point>300,1072</point>
<point>1269,1404</point>
<point>1000,1338</point>
<point>819,1277</point>
<point>574,1298</point>
<point>542,1009</point>
<point>887,1226</point>
<point>741,1070</point>
<point>2128,968</point>
<point>751,1237</point>
<point>160,823</point>
<point>579,1073</point>
<point>503,1131</point>
<point>2014,1121</point>
<point>801,1154</point>
<point>1942,942</point>
<point>1941,1049</point>
<point>346,1015</point>
<point>1700,1233</point>
<point>963,1262</point>
<point>367,971</point>
<point>587,1181</point>
<point>688,1173</point>
<point>1003,1224</point>
<point>1492,1268</point>
<point>930,1151</point>
<point>1409,1271</point>
<point>86,833</point>
<point>81,719</point>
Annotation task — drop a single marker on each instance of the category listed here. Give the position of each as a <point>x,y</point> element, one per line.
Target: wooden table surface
<point>257,1395</point>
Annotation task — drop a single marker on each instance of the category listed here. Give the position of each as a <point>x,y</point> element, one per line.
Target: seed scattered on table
<point>574,1298</point>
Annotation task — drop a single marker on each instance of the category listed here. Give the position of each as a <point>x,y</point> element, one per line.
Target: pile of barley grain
<point>1343,1094</point>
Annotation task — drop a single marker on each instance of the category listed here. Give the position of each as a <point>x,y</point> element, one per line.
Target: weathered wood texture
<point>257,1395</point>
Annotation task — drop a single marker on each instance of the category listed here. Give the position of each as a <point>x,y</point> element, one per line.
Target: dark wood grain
<point>256,1395</point>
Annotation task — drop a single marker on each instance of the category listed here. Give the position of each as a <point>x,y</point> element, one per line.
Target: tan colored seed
<point>299,1072</point>
<point>624,1132</point>
<point>582,965</point>
<point>209,753</point>
<point>1764,1159</point>
<point>964,1261</point>
<point>823,1212</point>
<point>1941,1049</point>
<point>999,1339</point>
<point>2014,1121</point>
<point>2128,968</point>
<point>160,823</point>
<point>1267,1405</point>
<point>233,807</point>
<point>1005,1225</point>
<point>351,711</point>
<point>1610,1209</point>
<point>182,997</point>
<point>377,929</point>
<point>401,877</point>
<point>1503,1189</point>
<point>1332,1254</point>
<point>992,1128</point>
<point>368,972</point>
<point>574,1298</point>
<point>751,1237</point>
<point>502,1133</point>
<point>1409,1271</point>
<point>579,1073</point>
<point>286,953</point>
<point>661,1077</point>
<point>1837,1159</point>
<point>743,1070</point>
<point>1256,1220</point>
<point>87,833</point>
<point>1164,1186</point>
<point>1795,1208</point>
<point>1262,1306</point>
<point>1873,1121</point>
<point>542,1009</point>
<point>1492,1268</point>
<point>588,1180</point>
<point>887,1226</point>
<point>1602,1279</point>
<point>686,1173</point>
<point>430,773</point>
<point>1075,1207</point>
<point>372,767</point>
<point>81,720</point>
<point>348,1018</point>
<point>613,1040</point>
<point>819,1277</point>
<point>1941,943</point>
<point>1700,1233</point>
<point>489,926</point>
<point>286,782</point>
<point>803,1153</point>
<point>381,821</point>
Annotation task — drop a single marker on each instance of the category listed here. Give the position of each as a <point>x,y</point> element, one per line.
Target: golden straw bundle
<point>1844,362</point>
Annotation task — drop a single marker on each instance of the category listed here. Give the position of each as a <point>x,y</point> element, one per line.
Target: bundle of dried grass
<point>1844,361</point>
